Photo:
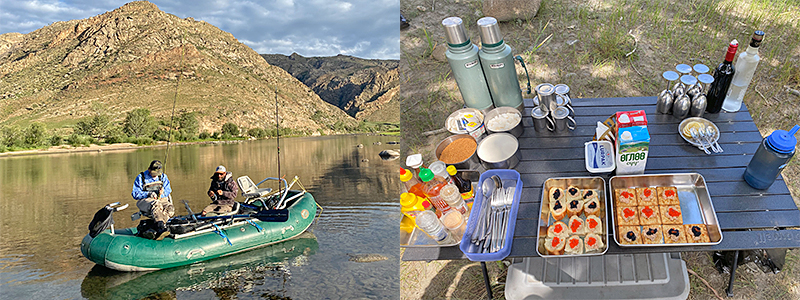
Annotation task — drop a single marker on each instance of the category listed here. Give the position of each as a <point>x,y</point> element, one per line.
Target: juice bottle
<point>411,184</point>
<point>432,187</point>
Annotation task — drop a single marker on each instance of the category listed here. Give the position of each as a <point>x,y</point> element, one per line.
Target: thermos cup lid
<point>454,31</point>
<point>489,31</point>
<point>783,141</point>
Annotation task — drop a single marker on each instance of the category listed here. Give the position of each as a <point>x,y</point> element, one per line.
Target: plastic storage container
<point>599,157</point>
<point>772,156</point>
<point>476,208</point>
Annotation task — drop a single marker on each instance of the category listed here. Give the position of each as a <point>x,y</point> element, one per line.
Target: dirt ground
<point>605,48</point>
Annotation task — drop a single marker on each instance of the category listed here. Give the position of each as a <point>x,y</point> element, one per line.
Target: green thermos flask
<point>462,55</point>
<point>498,65</point>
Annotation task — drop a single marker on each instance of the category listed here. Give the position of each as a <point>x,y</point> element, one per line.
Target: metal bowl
<point>499,151</point>
<point>468,164</point>
<point>705,123</point>
<point>515,131</point>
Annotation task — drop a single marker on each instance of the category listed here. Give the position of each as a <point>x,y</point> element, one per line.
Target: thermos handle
<point>521,61</point>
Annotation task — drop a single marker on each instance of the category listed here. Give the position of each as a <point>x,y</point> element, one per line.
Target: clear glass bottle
<point>430,224</point>
<point>745,68</point>
<point>772,156</point>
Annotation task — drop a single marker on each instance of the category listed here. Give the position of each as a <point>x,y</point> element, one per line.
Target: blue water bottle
<point>771,157</point>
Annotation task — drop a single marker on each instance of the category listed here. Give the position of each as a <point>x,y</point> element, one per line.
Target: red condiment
<point>669,193</point>
<point>674,213</point>
<point>647,211</point>
<point>574,243</point>
<point>647,192</point>
<point>628,213</point>
<point>626,194</point>
<point>555,242</point>
<point>592,223</point>
<point>575,224</point>
<point>591,241</point>
<point>558,228</point>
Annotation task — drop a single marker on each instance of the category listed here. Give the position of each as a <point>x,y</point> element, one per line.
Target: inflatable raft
<point>206,238</point>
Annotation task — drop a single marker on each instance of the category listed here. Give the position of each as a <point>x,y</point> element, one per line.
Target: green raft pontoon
<point>198,238</point>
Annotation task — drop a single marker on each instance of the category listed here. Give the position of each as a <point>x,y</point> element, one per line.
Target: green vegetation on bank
<point>141,128</point>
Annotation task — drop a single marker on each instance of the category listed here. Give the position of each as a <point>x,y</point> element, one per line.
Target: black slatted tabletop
<point>749,218</point>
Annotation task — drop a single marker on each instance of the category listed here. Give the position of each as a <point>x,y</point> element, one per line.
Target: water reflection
<point>46,203</point>
<point>241,273</point>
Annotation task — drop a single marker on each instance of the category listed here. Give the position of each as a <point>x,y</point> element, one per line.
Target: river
<point>47,201</point>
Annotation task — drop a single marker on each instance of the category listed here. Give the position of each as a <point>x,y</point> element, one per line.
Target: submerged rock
<point>366,258</point>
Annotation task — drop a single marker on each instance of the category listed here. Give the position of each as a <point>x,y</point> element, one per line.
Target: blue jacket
<point>143,179</point>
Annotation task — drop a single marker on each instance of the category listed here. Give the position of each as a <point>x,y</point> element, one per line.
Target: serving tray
<point>545,218</point>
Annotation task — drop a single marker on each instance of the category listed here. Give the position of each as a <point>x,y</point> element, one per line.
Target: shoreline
<point>66,149</point>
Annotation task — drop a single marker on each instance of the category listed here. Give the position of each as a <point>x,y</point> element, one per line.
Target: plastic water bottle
<point>429,223</point>
<point>772,156</point>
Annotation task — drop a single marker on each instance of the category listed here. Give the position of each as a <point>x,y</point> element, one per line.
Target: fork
<point>696,138</point>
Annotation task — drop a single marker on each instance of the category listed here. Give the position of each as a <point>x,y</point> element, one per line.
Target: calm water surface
<point>47,201</point>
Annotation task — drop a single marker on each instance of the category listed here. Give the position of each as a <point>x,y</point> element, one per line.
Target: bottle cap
<point>414,161</point>
<point>755,41</point>
<point>451,170</point>
<point>438,168</point>
<point>408,199</point>
<point>489,31</point>
<point>783,141</point>
<point>405,175</point>
<point>454,31</point>
<point>425,175</point>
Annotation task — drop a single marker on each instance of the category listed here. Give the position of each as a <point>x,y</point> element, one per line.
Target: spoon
<point>696,138</point>
<point>711,132</point>
<point>487,188</point>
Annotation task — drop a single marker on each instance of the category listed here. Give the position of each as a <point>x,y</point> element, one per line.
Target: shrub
<point>11,137</point>
<point>160,134</point>
<point>204,135</point>
<point>188,126</point>
<point>94,126</point>
<point>75,140</point>
<point>139,123</point>
<point>35,134</point>
<point>55,140</point>
<point>115,135</point>
<point>230,129</point>
<point>257,133</point>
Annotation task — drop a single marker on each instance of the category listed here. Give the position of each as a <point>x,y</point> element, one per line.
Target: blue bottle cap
<point>783,141</point>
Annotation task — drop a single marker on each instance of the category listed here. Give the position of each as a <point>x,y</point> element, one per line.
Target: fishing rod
<point>278,132</point>
<point>174,103</point>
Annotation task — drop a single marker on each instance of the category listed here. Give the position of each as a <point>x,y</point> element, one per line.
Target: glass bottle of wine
<point>723,75</point>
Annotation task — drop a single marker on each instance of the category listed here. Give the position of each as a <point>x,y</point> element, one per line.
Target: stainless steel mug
<point>561,119</point>
<point>541,122</point>
<point>547,97</point>
<point>564,101</point>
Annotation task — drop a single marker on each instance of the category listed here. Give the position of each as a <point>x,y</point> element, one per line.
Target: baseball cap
<point>155,165</point>
<point>221,169</point>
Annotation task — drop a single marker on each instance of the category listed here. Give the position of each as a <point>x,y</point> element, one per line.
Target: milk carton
<point>632,142</point>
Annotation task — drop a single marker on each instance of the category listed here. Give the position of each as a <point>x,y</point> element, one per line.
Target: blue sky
<point>361,28</point>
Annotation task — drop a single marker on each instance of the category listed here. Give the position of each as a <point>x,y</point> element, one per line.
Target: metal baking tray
<point>545,220</point>
<point>696,205</point>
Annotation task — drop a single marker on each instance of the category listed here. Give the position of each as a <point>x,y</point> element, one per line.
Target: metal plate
<point>596,183</point>
<point>703,121</point>
<point>696,205</point>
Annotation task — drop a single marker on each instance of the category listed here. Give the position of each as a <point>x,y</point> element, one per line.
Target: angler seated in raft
<point>152,190</point>
<point>222,192</point>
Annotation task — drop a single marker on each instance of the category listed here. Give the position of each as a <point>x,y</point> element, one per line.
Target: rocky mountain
<point>138,56</point>
<point>364,88</point>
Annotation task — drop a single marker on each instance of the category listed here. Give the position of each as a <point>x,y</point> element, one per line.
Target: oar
<point>274,215</point>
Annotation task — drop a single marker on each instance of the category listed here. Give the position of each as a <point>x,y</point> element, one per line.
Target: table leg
<point>486,280</point>
<point>733,273</point>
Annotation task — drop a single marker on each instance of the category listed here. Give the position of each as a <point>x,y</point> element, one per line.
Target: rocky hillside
<point>138,56</point>
<point>364,88</point>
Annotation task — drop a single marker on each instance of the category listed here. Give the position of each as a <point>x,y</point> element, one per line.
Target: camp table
<point>750,218</point>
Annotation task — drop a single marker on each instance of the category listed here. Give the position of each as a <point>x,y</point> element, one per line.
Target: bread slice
<point>559,229</point>
<point>587,194</point>
<point>652,234</point>
<point>696,233</point>
<point>555,245</point>
<point>647,196</point>
<point>625,197</point>
<point>556,194</point>
<point>592,207</point>
<point>627,216</point>
<point>573,192</point>
<point>671,215</point>
<point>668,196</point>
<point>576,225</point>
<point>674,234</point>
<point>594,225</point>
<point>574,207</point>
<point>558,209</point>
<point>574,245</point>
<point>649,215</point>
<point>629,235</point>
<point>593,242</point>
